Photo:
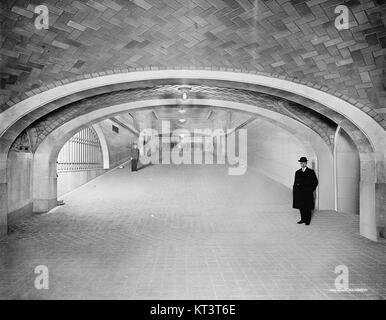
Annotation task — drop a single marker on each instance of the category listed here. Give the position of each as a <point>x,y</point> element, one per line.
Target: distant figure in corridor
<point>303,191</point>
<point>134,157</point>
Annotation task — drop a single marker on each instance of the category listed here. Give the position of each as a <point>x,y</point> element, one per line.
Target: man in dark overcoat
<point>134,157</point>
<point>303,191</point>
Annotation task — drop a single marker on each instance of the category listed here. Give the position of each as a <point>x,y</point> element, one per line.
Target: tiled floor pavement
<point>187,232</point>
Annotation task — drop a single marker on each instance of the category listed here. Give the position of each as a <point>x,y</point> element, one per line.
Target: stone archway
<point>372,158</point>
<point>45,156</point>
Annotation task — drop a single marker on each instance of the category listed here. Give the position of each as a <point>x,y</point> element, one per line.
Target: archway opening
<point>347,174</point>
<point>276,126</point>
<point>79,161</point>
<point>361,128</point>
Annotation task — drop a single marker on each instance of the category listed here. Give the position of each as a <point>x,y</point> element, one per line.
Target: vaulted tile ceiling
<point>295,38</point>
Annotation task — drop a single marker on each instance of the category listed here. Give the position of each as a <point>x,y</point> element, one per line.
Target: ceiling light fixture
<point>182,120</point>
<point>182,110</point>
<point>184,92</point>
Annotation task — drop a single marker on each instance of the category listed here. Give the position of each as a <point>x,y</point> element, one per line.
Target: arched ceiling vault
<point>295,39</point>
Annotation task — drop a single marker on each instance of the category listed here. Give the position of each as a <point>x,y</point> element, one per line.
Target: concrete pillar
<point>104,146</point>
<point>3,194</point>
<point>44,183</point>
<point>3,208</point>
<point>368,214</point>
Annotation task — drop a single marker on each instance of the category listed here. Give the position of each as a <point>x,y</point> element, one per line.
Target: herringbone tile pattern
<point>295,38</point>
<point>187,232</point>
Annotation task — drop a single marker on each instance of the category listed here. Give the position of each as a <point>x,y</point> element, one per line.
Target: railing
<point>82,152</point>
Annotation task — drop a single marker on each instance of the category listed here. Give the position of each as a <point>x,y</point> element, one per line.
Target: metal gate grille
<point>81,152</point>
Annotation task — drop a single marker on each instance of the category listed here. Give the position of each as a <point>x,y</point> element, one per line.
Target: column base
<point>44,205</point>
<point>368,231</point>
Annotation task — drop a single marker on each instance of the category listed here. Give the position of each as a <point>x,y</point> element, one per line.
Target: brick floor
<point>187,232</point>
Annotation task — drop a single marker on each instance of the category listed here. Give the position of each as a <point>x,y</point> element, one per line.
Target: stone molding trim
<point>368,109</point>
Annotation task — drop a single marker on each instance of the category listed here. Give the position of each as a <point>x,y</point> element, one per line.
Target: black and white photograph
<point>172,151</point>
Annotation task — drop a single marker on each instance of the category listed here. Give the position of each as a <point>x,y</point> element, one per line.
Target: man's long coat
<point>135,153</point>
<point>303,189</point>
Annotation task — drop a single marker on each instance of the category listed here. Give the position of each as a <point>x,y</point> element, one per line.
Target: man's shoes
<point>307,223</point>
<point>301,221</point>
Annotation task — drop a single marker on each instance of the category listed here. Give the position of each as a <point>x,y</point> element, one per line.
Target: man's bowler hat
<point>303,159</point>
